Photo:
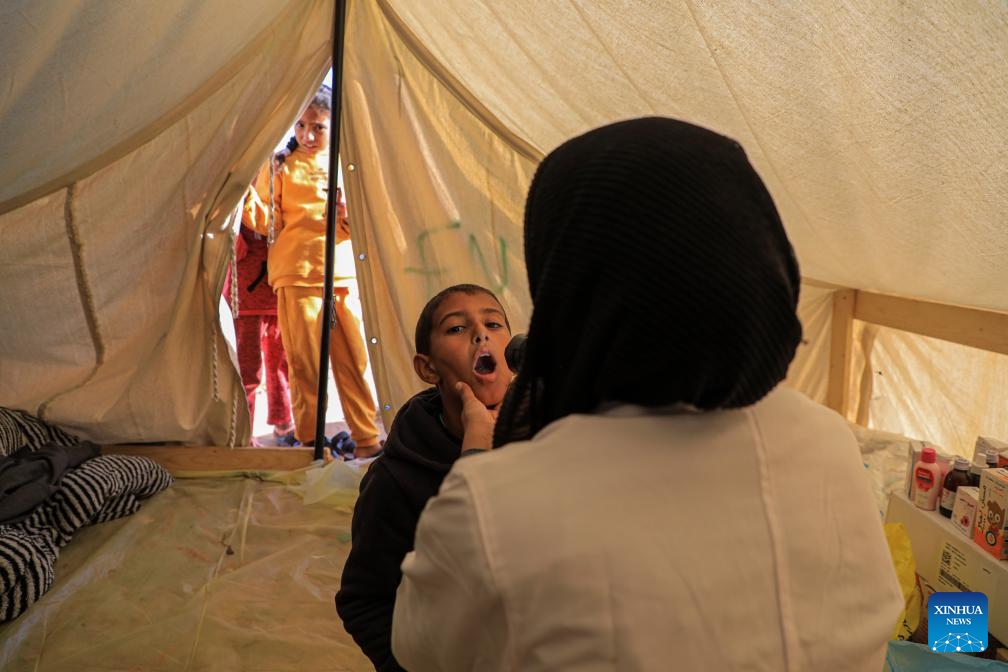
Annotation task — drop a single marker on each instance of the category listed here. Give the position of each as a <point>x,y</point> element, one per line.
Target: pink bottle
<point>927,480</point>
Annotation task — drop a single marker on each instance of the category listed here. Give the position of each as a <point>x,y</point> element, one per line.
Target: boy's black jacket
<point>419,452</point>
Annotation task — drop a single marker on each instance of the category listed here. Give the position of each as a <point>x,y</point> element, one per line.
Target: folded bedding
<point>51,485</point>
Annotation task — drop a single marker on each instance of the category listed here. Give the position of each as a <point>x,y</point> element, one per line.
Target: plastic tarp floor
<point>239,573</point>
<point>214,573</point>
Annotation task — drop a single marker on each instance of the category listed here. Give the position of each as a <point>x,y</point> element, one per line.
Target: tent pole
<point>339,30</point>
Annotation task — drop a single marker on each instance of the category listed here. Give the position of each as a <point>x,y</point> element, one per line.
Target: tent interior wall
<point>878,128</point>
<point>131,130</point>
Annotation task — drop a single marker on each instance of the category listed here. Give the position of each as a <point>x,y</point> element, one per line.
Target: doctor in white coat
<point>655,498</point>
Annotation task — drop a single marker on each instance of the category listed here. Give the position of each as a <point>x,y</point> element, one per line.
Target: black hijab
<point>660,273</point>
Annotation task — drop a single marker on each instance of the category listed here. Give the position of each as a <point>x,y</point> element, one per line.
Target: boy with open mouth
<point>460,339</point>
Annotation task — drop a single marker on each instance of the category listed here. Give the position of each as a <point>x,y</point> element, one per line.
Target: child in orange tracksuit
<point>296,268</point>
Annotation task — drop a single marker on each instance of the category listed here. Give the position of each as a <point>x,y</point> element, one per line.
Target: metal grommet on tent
<point>374,340</point>
<point>351,167</point>
<point>362,256</point>
<point>386,407</point>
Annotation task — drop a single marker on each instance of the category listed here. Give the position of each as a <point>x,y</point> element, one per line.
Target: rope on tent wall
<point>235,232</point>
<point>213,366</point>
<point>233,430</point>
<point>85,293</point>
<point>270,217</point>
<point>234,269</point>
<point>235,215</point>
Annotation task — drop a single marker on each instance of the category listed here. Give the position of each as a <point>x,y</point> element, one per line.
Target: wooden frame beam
<point>179,459</point>
<point>974,327</point>
<point>841,351</point>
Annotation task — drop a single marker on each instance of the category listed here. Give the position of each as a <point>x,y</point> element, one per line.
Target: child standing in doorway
<point>296,269</point>
<point>257,333</point>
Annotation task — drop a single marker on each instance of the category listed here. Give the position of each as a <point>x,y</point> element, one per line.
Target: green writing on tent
<point>432,273</point>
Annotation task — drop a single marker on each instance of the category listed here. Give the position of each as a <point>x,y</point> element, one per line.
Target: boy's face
<point>312,130</point>
<point>468,337</point>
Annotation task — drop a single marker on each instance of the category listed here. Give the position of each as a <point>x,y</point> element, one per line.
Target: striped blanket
<point>100,489</point>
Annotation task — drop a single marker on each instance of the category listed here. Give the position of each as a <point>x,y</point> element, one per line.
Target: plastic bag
<point>911,657</point>
<point>906,570</point>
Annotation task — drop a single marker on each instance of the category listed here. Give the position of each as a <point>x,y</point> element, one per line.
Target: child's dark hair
<point>421,339</point>
<point>281,156</point>
<point>322,99</point>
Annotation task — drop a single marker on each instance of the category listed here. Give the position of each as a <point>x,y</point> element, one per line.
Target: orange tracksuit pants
<point>299,311</point>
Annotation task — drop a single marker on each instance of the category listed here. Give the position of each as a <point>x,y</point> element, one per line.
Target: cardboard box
<point>985,442</point>
<point>950,562</point>
<point>992,505</point>
<point>965,508</point>
<point>980,450</point>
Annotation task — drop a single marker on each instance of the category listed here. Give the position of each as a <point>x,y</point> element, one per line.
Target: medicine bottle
<point>958,476</point>
<point>927,480</point>
<point>990,462</point>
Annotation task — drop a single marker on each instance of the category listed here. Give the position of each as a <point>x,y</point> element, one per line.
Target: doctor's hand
<point>477,420</point>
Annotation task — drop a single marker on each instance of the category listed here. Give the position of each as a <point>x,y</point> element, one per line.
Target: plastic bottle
<point>992,458</point>
<point>974,474</point>
<point>990,462</point>
<point>927,480</point>
<point>958,476</point>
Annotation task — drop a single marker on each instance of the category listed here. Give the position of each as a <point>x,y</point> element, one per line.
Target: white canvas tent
<point>129,131</point>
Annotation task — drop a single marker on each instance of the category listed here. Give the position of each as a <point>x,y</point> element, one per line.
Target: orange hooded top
<point>300,184</point>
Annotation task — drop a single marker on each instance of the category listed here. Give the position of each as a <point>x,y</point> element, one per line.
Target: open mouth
<point>485,364</point>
